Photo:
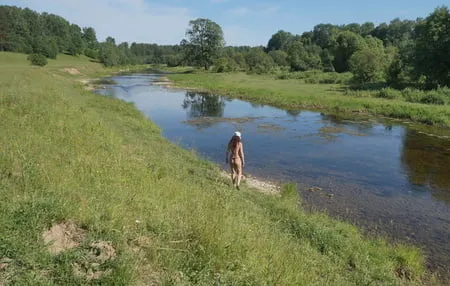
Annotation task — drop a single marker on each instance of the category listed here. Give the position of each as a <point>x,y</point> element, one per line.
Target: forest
<point>401,53</point>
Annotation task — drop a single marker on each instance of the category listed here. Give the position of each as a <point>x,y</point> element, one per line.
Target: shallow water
<point>388,177</point>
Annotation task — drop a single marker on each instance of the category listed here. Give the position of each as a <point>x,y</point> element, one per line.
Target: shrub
<point>38,60</point>
<point>388,93</point>
<point>433,97</point>
<point>91,53</point>
<point>426,97</point>
<point>412,95</point>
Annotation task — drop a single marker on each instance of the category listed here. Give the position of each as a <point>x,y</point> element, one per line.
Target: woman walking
<point>236,158</point>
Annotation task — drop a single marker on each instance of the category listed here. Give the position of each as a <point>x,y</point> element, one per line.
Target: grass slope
<point>294,94</point>
<point>69,155</point>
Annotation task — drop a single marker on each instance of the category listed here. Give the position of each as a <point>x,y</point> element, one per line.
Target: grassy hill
<point>132,208</point>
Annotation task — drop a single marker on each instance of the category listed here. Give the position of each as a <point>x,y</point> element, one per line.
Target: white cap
<point>238,134</point>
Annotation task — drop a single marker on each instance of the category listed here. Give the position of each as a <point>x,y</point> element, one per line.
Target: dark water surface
<point>389,178</point>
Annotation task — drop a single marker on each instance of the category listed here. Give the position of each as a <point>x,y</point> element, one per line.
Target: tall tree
<point>90,37</point>
<point>279,41</point>
<point>204,42</point>
<point>432,51</point>
<point>347,44</point>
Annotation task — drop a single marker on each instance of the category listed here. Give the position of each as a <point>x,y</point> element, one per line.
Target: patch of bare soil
<point>72,71</point>
<point>62,237</point>
<point>262,186</point>
<point>87,84</point>
<point>6,271</point>
<point>90,265</point>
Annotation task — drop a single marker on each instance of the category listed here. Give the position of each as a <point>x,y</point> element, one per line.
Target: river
<point>389,177</point>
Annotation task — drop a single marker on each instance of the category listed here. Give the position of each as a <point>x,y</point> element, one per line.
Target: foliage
<point>279,57</point>
<point>347,43</point>
<point>38,60</point>
<point>279,41</point>
<point>432,47</point>
<point>258,61</point>
<point>204,42</point>
<point>368,65</point>
<point>302,57</point>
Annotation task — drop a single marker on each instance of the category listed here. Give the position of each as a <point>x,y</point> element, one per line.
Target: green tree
<point>367,28</point>
<point>325,35</point>
<point>279,57</point>
<point>432,51</point>
<point>279,41</point>
<point>90,37</point>
<point>303,57</point>
<point>367,66</point>
<point>258,61</point>
<point>347,43</point>
<point>76,45</point>
<point>204,42</point>
<point>37,60</point>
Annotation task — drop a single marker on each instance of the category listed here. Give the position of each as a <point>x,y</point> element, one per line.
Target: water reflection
<point>426,161</point>
<point>203,105</point>
<point>293,113</point>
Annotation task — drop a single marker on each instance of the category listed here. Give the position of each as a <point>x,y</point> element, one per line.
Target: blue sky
<point>248,22</point>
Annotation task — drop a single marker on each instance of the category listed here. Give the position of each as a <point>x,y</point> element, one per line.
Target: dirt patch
<point>72,71</point>
<point>90,266</point>
<point>6,270</point>
<point>62,237</point>
<point>262,186</point>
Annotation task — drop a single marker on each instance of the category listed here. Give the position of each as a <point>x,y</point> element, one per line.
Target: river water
<point>388,177</point>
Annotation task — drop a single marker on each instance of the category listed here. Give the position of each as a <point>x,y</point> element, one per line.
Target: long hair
<point>234,141</point>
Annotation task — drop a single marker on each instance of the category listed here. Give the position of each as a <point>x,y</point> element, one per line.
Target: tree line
<point>30,32</point>
<point>401,53</point>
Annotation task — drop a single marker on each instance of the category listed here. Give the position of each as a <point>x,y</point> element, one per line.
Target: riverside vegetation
<point>71,157</point>
<point>318,90</point>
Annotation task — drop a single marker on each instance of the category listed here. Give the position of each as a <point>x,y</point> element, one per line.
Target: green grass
<point>295,94</point>
<point>70,155</point>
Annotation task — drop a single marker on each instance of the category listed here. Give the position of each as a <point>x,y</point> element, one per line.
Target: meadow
<point>69,156</point>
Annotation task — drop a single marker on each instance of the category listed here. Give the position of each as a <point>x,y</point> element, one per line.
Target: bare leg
<point>233,174</point>
<point>239,175</point>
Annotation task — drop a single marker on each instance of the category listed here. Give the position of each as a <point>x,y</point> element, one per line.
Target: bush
<point>38,60</point>
<point>437,97</point>
<point>389,93</point>
<point>358,93</point>
<point>91,53</point>
<point>433,97</point>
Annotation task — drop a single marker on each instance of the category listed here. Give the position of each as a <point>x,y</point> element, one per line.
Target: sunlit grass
<point>68,154</point>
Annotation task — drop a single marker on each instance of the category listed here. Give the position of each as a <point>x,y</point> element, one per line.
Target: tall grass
<point>69,155</point>
<point>294,93</point>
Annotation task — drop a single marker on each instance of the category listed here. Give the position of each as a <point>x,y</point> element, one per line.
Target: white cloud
<point>125,20</point>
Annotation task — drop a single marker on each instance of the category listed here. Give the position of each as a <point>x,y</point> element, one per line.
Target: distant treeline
<point>402,52</point>
<point>26,31</point>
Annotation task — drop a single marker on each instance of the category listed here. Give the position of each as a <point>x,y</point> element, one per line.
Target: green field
<point>295,94</point>
<point>68,155</point>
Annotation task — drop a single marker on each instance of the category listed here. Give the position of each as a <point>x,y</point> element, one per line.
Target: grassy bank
<point>295,94</point>
<point>68,155</point>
